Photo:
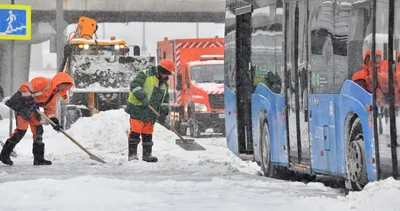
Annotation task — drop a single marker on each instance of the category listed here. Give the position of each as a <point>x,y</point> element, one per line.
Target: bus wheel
<point>266,165</point>
<point>355,158</point>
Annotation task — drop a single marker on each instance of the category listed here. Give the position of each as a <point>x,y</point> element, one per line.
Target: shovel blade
<point>189,145</point>
<point>94,157</point>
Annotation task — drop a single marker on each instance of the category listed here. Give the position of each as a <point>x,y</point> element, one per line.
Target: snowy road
<point>205,180</point>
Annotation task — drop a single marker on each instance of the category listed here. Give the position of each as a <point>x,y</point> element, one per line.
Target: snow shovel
<point>93,157</point>
<point>186,144</point>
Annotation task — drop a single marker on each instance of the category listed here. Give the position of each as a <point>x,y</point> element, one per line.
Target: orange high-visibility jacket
<point>41,89</point>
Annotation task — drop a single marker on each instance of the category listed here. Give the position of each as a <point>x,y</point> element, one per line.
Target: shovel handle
<point>154,111</point>
<point>62,131</point>
<point>166,124</point>
<point>93,157</point>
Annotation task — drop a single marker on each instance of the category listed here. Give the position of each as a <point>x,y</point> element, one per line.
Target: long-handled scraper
<point>186,144</point>
<point>93,157</point>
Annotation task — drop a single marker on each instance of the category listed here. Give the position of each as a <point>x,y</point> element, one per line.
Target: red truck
<point>197,89</point>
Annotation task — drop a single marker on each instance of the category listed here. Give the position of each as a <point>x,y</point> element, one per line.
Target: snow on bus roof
<point>380,38</point>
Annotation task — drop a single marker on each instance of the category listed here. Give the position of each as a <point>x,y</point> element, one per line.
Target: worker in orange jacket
<point>361,77</point>
<point>364,76</point>
<point>39,92</point>
<point>397,80</point>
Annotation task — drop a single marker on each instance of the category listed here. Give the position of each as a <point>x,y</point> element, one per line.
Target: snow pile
<point>106,131</point>
<point>382,195</point>
<point>106,134</point>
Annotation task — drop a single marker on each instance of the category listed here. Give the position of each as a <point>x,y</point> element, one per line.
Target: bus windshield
<point>207,73</point>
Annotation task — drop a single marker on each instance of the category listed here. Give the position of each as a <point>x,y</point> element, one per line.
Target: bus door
<point>244,84</point>
<point>296,86</point>
<point>328,61</point>
<point>387,95</point>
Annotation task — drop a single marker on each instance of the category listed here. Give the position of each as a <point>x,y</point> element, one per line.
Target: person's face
<point>367,59</point>
<point>164,76</point>
<point>377,59</point>
<point>63,86</point>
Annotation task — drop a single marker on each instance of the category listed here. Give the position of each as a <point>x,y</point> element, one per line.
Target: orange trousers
<point>140,127</point>
<point>22,127</point>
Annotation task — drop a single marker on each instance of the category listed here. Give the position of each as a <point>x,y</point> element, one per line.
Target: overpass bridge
<point>44,16</point>
<point>129,10</point>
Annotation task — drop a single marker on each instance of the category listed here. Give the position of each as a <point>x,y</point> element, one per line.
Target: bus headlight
<point>86,46</point>
<point>116,47</point>
<point>200,107</point>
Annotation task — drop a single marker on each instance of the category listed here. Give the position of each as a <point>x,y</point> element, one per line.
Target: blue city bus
<point>299,81</point>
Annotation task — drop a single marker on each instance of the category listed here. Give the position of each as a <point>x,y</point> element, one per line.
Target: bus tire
<point>265,151</point>
<point>355,158</point>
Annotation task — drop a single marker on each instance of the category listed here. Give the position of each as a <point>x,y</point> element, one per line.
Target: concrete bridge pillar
<point>21,66</point>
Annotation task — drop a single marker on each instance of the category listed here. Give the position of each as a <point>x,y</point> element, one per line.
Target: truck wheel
<point>355,158</point>
<point>183,130</point>
<point>194,128</point>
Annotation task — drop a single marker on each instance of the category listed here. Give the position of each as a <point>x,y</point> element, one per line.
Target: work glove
<point>34,107</point>
<point>161,119</point>
<point>145,101</point>
<point>57,126</point>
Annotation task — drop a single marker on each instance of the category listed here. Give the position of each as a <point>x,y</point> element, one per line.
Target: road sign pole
<point>14,30</point>
<point>11,83</point>
<point>11,80</point>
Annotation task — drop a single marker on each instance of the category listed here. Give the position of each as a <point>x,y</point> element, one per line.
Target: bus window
<point>266,42</point>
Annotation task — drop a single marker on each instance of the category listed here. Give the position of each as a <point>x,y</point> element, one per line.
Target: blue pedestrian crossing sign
<point>15,22</point>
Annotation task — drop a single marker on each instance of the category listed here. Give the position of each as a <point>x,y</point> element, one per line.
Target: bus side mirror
<point>179,82</point>
<point>136,50</point>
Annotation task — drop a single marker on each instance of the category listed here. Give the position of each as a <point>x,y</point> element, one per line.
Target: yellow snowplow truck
<point>102,70</point>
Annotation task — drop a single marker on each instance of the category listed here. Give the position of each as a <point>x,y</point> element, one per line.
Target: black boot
<point>147,154</point>
<point>147,148</point>
<point>132,150</point>
<point>6,152</point>
<point>38,154</point>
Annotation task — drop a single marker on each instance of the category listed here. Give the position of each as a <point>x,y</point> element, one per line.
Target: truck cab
<point>196,91</point>
<point>203,94</point>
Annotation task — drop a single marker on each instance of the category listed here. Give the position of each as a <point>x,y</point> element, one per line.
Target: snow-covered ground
<point>203,180</point>
<point>214,179</point>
